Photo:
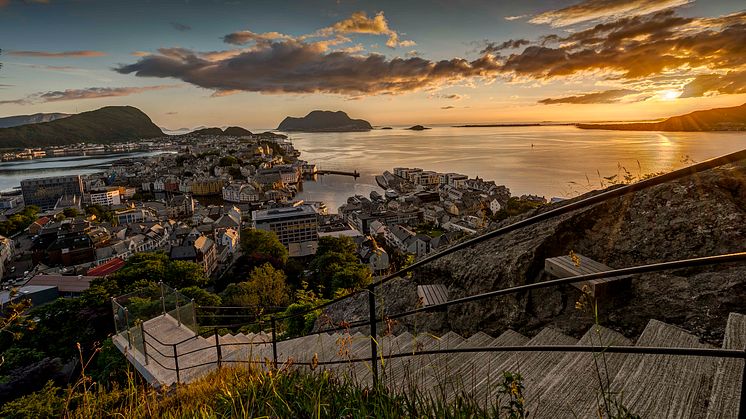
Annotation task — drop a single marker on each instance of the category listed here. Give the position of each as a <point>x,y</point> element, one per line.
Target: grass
<point>238,392</point>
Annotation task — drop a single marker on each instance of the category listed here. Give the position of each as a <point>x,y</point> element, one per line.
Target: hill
<point>102,126</point>
<point>720,119</point>
<point>324,121</point>
<point>14,121</point>
<point>230,131</point>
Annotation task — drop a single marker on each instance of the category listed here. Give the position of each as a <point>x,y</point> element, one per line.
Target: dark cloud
<point>608,96</point>
<point>729,83</point>
<point>292,66</point>
<point>181,27</point>
<point>594,10</point>
<point>63,54</point>
<point>494,47</point>
<point>636,47</point>
<point>87,93</point>
<point>247,37</point>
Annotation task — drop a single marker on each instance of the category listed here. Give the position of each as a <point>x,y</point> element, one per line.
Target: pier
<point>354,174</point>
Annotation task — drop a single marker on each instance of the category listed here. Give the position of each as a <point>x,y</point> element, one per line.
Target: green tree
<point>70,212</point>
<point>155,267</point>
<point>336,266</point>
<point>263,246</point>
<point>265,288</point>
<point>227,161</point>
<point>201,297</point>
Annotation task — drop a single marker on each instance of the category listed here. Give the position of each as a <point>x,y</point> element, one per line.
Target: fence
<point>374,319</point>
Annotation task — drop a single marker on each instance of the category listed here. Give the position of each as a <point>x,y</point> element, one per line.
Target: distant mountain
<point>14,121</point>
<point>230,131</point>
<point>324,121</point>
<point>720,119</point>
<point>102,126</point>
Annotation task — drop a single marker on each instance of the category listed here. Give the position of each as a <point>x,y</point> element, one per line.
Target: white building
<point>495,206</point>
<point>240,192</point>
<point>106,197</point>
<point>291,225</point>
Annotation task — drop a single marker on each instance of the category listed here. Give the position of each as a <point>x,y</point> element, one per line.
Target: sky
<point>251,63</point>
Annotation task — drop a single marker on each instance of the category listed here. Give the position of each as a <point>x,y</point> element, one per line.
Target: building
<point>7,248</point>
<point>10,201</point>
<point>106,197</point>
<point>202,251</point>
<point>209,186</point>
<point>45,192</point>
<point>242,193</point>
<point>291,225</point>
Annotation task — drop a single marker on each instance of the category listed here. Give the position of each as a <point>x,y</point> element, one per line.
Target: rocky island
<point>720,119</point>
<point>417,128</point>
<point>324,121</point>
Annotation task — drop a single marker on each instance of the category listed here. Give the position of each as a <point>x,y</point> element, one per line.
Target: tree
<point>227,161</point>
<point>70,212</point>
<point>155,267</point>
<point>263,246</point>
<point>201,297</point>
<point>336,266</point>
<point>265,288</point>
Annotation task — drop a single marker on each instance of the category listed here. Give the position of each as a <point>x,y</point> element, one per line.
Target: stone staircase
<point>557,384</point>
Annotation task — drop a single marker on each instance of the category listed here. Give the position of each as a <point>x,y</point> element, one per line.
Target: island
<point>102,126</point>
<point>229,132</point>
<point>720,119</point>
<point>418,128</point>
<point>324,121</point>
<point>386,128</point>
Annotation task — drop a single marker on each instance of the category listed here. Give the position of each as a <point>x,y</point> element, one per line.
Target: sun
<point>669,94</point>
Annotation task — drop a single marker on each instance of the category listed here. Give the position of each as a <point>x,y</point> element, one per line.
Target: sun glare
<point>669,94</point>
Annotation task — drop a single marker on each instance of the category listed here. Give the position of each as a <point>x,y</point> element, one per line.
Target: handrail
<point>653,267</point>
<point>572,206</point>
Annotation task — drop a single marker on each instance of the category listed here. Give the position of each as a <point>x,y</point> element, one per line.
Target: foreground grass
<point>237,392</point>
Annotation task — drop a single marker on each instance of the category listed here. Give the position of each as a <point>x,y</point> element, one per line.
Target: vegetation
<point>100,212</point>
<point>20,221</point>
<point>234,392</point>
<point>515,206</point>
<point>262,247</point>
<point>265,288</point>
<point>106,125</point>
<point>336,267</point>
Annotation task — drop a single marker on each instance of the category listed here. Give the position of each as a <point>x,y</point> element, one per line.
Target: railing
<point>374,318</point>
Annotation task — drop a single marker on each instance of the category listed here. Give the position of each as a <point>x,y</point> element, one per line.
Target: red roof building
<point>107,268</point>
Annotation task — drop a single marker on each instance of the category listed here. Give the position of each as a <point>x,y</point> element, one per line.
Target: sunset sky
<point>251,63</point>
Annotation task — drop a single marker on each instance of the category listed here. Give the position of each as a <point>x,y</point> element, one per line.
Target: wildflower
<point>315,361</point>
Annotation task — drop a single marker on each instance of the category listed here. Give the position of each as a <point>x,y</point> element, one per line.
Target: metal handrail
<point>654,267</point>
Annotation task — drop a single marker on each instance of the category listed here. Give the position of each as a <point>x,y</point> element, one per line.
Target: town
<point>192,202</point>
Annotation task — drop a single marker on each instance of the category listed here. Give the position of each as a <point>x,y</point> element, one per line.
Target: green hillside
<point>103,126</point>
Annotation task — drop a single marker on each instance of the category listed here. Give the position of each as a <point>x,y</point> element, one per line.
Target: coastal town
<point>192,200</point>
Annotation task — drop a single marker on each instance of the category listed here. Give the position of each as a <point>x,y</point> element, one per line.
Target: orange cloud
<point>590,10</point>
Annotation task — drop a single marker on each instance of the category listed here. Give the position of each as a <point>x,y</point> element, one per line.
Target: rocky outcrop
<point>696,216</point>
<point>324,121</point>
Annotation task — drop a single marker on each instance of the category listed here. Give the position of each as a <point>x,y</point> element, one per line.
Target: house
<point>495,205</point>
<point>7,249</point>
<point>36,227</point>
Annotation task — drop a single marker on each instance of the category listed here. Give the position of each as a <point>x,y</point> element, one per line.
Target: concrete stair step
<point>533,366</point>
<point>449,373</point>
<point>726,387</point>
<point>574,384</point>
<point>664,386</point>
<point>484,373</point>
<point>420,367</point>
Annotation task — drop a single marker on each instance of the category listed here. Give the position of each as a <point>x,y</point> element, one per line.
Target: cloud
<point>139,53</point>
<point>494,47</point>
<point>63,54</point>
<point>246,37</point>
<point>636,47</point>
<point>292,66</point>
<point>87,93</point>
<point>511,18</point>
<point>730,83</point>
<point>360,23</point>
<point>608,96</point>
<point>591,10</point>
<point>181,27</point>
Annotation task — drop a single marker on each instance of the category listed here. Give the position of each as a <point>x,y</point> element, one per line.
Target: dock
<point>354,174</point>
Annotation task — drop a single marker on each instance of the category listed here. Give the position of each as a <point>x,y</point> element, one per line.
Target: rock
<point>417,128</point>
<point>324,121</point>
<point>656,225</point>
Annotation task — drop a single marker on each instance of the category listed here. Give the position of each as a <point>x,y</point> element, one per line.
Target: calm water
<point>539,160</point>
<point>11,173</point>
<point>551,161</point>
